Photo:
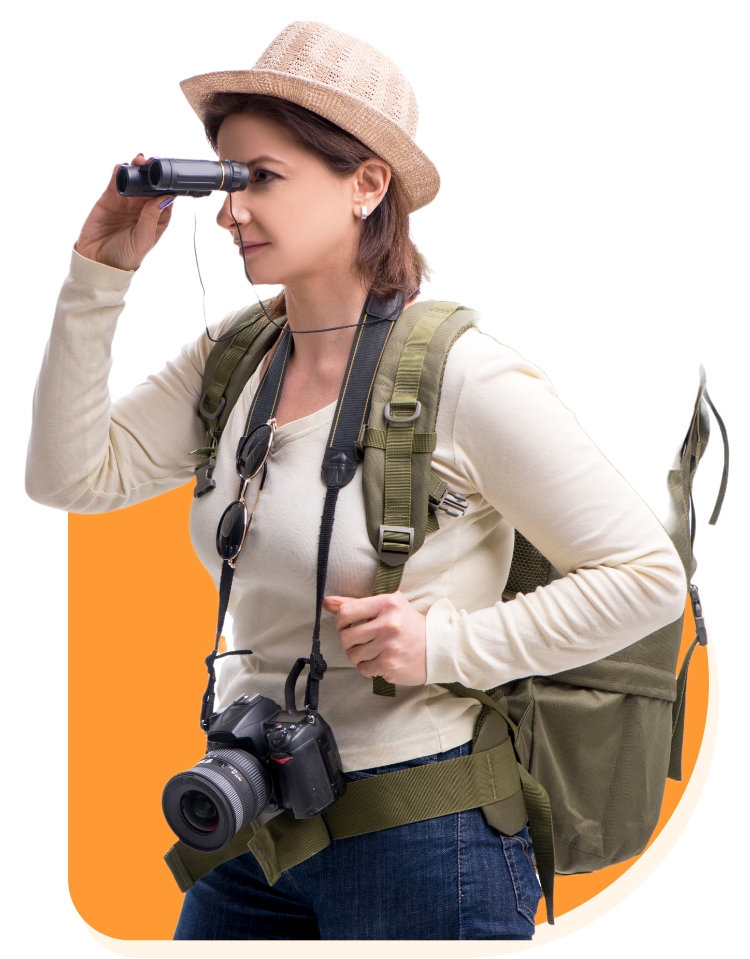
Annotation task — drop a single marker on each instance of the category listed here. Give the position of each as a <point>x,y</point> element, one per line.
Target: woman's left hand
<point>382,636</point>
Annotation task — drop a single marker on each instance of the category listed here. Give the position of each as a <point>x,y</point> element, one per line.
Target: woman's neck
<point>323,356</point>
<point>326,302</point>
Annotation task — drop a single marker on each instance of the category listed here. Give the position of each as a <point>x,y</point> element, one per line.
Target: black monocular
<point>182,177</point>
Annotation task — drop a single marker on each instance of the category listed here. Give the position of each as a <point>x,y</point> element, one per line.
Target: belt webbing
<point>393,799</point>
<point>368,805</point>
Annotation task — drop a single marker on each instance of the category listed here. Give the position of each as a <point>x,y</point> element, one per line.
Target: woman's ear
<point>371,183</point>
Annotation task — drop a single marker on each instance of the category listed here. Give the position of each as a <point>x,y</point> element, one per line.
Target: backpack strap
<point>531,803</point>
<point>408,496</point>
<point>397,480</point>
<point>230,364</point>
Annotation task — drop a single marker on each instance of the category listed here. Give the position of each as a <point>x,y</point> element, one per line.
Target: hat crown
<point>347,82</point>
<point>317,52</point>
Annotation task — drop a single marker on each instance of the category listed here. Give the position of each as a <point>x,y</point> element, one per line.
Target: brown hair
<point>387,258</point>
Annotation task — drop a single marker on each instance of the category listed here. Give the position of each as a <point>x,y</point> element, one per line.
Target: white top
<point>504,440</point>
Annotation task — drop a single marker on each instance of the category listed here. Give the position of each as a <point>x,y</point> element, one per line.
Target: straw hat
<point>344,80</point>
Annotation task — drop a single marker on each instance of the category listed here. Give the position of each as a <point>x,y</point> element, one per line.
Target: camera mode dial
<point>279,737</point>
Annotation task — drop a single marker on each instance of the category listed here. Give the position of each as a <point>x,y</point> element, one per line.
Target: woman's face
<point>298,220</point>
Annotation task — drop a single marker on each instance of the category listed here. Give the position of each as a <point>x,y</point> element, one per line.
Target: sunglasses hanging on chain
<point>252,457</point>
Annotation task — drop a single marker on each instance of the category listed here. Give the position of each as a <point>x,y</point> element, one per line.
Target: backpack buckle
<point>451,503</point>
<point>395,544</point>
<point>700,624</point>
<point>204,480</point>
<point>360,444</point>
<point>402,419</point>
<point>204,412</point>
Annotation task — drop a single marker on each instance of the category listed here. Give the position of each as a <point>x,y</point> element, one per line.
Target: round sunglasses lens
<point>231,530</point>
<point>252,451</point>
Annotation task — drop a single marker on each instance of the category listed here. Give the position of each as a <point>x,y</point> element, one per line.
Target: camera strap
<point>262,409</point>
<point>339,467</point>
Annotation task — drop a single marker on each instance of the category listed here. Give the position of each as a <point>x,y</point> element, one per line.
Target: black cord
<point>228,336</point>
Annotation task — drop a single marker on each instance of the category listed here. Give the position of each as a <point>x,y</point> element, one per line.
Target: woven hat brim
<point>415,170</point>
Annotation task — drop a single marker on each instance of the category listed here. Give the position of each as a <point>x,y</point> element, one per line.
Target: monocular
<point>164,175</point>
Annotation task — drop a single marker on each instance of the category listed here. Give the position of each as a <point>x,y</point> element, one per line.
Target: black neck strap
<point>339,468</point>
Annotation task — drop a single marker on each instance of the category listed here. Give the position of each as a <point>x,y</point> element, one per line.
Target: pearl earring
<point>364,213</point>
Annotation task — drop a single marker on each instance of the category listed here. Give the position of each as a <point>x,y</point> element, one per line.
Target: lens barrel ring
<point>246,765</point>
<point>235,783</point>
<point>227,789</point>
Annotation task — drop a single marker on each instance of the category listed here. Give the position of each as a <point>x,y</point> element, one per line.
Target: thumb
<point>332,604</point>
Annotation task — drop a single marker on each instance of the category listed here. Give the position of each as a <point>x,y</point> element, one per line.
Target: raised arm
<point>86,455</point>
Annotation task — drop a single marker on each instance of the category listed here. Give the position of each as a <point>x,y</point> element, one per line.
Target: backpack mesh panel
<point>528,570</point>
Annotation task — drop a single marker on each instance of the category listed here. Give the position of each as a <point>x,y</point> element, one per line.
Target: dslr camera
<point>259,758</point>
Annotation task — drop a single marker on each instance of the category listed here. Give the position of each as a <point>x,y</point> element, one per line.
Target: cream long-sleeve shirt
<point>504,440</point>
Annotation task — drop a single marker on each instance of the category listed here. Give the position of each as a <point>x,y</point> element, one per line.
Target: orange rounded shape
<point>142,616</point>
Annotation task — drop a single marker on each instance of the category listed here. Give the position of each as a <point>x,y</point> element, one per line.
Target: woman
<point>326,215</point>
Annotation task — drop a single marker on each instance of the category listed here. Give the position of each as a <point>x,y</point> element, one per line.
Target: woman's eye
<point>263,176</point>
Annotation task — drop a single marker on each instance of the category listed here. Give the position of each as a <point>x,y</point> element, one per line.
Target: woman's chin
<point>262,277</point>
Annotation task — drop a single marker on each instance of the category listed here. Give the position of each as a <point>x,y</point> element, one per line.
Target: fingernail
<point>165,203</point>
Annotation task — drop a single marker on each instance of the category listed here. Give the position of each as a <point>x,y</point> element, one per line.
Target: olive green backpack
<point>596,744</point>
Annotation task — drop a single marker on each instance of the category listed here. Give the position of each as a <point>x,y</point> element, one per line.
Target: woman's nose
<point>238,208</point>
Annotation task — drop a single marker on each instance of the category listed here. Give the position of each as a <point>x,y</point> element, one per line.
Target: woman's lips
<point>246,248</point>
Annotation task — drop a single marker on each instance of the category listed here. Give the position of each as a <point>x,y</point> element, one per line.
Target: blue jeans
<point>448,878</point>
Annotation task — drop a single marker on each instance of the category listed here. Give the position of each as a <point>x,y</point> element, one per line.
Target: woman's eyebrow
<point>265,159</point>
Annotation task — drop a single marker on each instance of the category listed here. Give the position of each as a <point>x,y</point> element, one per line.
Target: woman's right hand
<point>121,230</point>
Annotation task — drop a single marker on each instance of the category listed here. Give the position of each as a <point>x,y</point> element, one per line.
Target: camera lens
<point>208,805</point>
<point>199,811</point>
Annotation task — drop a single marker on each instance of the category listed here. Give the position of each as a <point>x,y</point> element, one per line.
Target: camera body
<point>259,758</point>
